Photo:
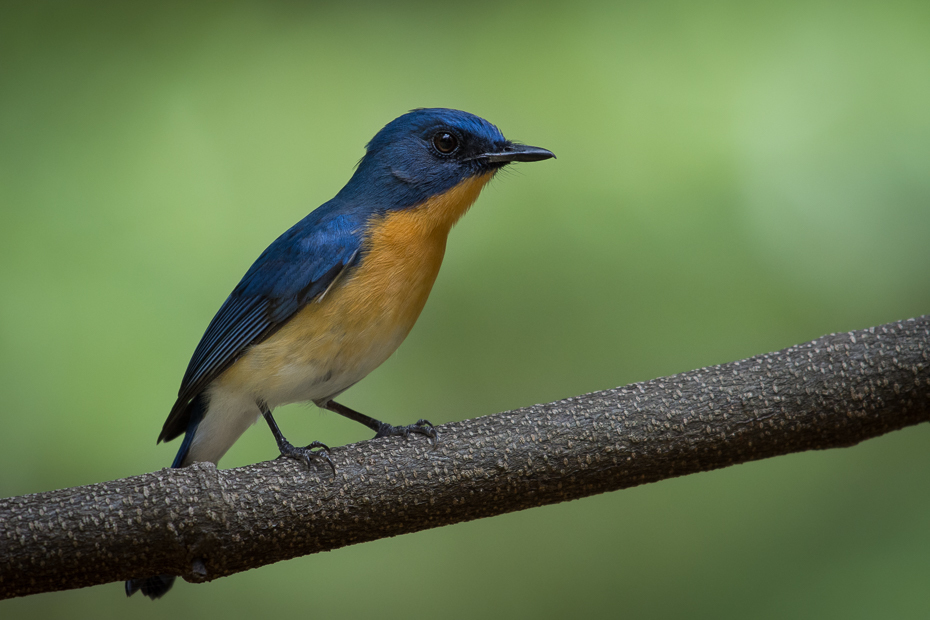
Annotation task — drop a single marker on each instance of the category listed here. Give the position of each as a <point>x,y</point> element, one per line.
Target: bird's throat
<point>435,215</point>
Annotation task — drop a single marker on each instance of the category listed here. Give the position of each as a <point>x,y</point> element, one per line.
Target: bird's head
<point>428,151</point>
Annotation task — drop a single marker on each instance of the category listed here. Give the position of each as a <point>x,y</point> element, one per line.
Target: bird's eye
<point>445,142</point>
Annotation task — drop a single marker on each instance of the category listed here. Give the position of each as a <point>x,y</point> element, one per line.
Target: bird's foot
<point>422,427</point>
<point>308,454</point>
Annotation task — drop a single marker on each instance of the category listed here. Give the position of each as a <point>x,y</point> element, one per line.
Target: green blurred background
<point>733,178</point>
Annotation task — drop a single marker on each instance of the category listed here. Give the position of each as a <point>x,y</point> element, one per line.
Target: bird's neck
<point>441,212</point>
<point>433,218</point>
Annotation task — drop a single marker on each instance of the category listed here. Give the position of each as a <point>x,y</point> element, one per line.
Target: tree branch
<point>201,523</point>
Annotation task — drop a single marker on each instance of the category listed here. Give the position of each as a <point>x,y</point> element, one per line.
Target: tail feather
<point>153,587</point>
<point>196,410</point>
<point>156,587</point>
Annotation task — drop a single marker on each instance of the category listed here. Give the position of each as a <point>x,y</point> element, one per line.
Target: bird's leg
<point>422,427</point>
<point>304,455</point>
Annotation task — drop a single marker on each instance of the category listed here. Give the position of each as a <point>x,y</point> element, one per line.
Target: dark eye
<point>445,142</point>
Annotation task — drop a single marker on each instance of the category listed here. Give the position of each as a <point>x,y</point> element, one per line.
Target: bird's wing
<point>298,267</point>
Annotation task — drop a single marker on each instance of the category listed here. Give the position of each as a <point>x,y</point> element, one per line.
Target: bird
<point>335,295</point>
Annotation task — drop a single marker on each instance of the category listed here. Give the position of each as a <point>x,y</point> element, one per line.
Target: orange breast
<point>329,345</point>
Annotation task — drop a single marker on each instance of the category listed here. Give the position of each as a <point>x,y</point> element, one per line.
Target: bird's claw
<point>422,427</point>
<point>308,454</point>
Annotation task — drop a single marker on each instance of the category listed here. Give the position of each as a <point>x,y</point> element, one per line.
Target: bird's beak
<point>517,152</point>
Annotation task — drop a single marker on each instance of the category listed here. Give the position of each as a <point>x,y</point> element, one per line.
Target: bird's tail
<point>156,587</point>
<point>153,587</point>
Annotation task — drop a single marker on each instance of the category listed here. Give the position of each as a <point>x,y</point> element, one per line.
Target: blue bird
<point>333,297</point>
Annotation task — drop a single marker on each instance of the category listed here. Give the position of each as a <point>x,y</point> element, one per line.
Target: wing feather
<point>299,266</point>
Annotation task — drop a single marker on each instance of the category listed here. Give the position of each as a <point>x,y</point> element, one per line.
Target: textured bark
<point>201,523</point>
